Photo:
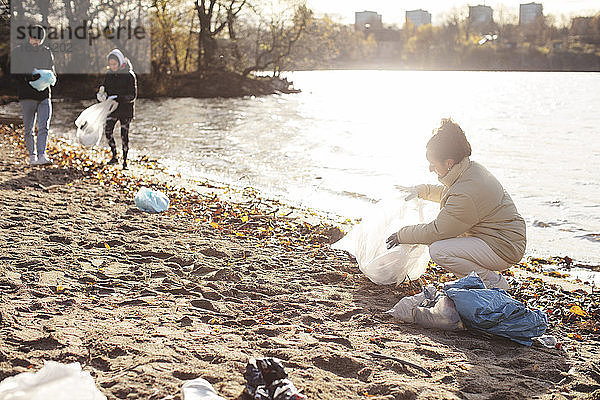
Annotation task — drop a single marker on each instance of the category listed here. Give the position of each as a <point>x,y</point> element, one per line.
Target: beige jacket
<point>472,203</point>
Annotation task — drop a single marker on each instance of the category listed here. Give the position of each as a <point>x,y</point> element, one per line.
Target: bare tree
<point>165,34</point>
<point>214,16</point>
<point>276,35</point>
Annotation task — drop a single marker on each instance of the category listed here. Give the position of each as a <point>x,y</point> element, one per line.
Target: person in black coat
<point>35,104</point>
<point>120,84</point>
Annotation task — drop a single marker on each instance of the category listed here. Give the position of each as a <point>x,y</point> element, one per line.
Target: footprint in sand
<point>181,261</point>
<point>100,363</point>
<point>60,239</point>
<point>126,228</point>
<point>153,254</point>
<point>212,252</point>
<point>396,391</point>
<point>347,315</point>
<point>185,375</point>
<point>430,354</point>
<point>203,304</point>
<point>20,362</point>
<point>340,365</point>
<point>43,343</point>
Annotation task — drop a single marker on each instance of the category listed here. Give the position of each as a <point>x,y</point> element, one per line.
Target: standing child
<point>120,83</point>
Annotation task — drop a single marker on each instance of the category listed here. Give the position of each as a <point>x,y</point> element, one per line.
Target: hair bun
<point>449,142</point>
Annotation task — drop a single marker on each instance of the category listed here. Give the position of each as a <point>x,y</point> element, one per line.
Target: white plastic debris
<point>548,341</point>
<point>199,389</point>
<point>152,201</point>
<point>429,309</point>
<point>53,381</point>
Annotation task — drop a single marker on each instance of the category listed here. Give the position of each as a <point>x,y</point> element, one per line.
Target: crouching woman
<point>478,227</point>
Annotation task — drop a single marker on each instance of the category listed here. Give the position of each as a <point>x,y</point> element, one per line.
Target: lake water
<point>351,135</point>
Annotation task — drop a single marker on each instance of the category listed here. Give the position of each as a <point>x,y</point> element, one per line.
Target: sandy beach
<point>145,302</point>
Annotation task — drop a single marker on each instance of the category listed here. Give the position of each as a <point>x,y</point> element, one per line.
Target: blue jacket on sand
<point>494,311</point>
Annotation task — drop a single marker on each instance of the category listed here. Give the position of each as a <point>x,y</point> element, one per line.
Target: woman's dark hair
<point>448,142</point>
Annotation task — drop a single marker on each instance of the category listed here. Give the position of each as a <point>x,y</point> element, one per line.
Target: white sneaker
<point>33,159</point>
<point>43,160</point>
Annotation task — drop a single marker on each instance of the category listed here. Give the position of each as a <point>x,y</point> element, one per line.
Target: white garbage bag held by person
<point>91,122</point>
<point>366,242</point>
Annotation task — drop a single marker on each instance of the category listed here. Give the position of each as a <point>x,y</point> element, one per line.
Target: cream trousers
<point>465,254</point>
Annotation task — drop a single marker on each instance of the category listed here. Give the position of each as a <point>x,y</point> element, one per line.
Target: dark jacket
<point>24,59</point>
<point>123,84</point>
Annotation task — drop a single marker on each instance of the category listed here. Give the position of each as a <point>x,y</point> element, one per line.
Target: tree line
<point>246,36</point>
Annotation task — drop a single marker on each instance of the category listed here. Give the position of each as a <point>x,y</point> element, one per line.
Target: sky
<point>392,11</point>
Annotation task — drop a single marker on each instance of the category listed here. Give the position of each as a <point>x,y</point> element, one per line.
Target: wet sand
<point>147,301</point>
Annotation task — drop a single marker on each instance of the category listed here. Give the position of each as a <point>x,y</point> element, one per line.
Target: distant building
<point>481,15</point>
<point>367,21</point>
<point>580,25</point>
<point>530,13</point>
<point>418,17</point>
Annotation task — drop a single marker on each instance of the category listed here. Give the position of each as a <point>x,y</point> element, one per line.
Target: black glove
<point>392,241</point>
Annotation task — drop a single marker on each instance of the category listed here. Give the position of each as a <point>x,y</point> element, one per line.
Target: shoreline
<point>580,259</point>
<point>147,301</point>
<point>205,84</point>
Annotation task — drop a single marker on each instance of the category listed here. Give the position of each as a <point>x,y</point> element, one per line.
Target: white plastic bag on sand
<point>53,381</point>
<point>404,310</point>
<point>199,389</point>
<point>91,122</point>
<point>366,242</point>
<point>429,309</point>
<point>442,315</point>
<point>151,201</point>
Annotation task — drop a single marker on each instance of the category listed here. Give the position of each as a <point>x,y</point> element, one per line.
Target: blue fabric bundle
<point>46,79</point>
<point>494,311</point>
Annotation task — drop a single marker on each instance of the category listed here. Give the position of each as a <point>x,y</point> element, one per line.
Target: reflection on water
<point>351,135</point>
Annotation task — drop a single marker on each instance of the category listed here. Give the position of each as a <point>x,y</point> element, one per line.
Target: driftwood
<point>401,361</point>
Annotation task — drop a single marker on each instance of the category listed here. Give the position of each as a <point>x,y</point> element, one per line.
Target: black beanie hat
<point>37,32</point>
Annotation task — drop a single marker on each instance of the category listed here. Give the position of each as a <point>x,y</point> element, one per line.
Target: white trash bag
<point>442,315</point>
<point>199,389</point>
<point>90,123</point>
<point>53,381</point>
<point>429,309</point>
<point>366,242</point>
<point>152,201</point>
<point>404,310</point>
